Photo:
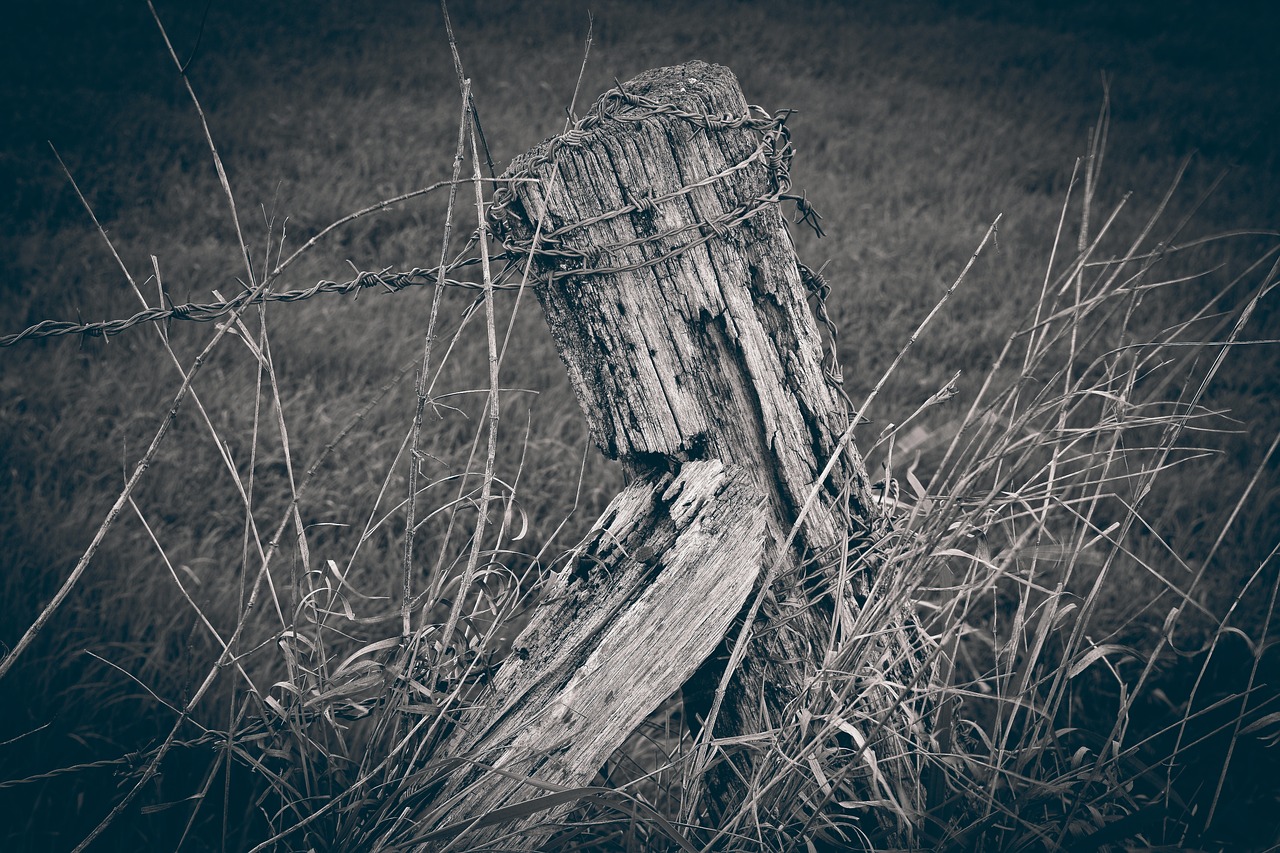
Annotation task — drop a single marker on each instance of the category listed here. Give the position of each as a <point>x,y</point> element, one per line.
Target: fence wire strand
<point>204,312</point>
<point>559,260</point>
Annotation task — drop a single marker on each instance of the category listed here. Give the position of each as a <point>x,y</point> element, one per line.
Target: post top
<point>695,87</point>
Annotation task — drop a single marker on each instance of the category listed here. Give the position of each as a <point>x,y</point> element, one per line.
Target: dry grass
<point>297,655</point>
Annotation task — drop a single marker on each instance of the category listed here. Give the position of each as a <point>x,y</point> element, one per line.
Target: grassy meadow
<point>916,125</point>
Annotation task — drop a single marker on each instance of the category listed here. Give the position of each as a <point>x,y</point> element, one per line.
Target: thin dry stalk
<point>486,483</point>
<point>428,341</point>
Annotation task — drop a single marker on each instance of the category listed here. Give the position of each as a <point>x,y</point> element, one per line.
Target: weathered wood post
<point>669,280</point>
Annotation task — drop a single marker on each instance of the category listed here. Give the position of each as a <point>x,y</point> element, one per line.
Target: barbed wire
<point>388,281</point>
<point>773,149</point>
<point>618,105</point>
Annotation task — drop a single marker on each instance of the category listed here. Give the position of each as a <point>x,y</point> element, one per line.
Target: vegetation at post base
<point>1082,517</point>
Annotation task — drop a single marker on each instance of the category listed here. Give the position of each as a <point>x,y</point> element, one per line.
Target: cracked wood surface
<point>701,373</point>
<point>712,353</point>
<point>642,602</point>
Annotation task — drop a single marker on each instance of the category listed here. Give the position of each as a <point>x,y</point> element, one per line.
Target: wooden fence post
<point>670,283</point>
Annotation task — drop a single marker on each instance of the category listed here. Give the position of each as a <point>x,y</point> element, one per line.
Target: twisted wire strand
<point>773,148</point>
<point>618,105</point>
<point>560,261</point>
<point>388,281</point>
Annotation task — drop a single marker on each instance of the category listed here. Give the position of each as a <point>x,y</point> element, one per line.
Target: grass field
<point>917,125</point>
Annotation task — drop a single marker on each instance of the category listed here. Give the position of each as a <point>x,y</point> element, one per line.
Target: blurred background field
<point>917,123</point>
